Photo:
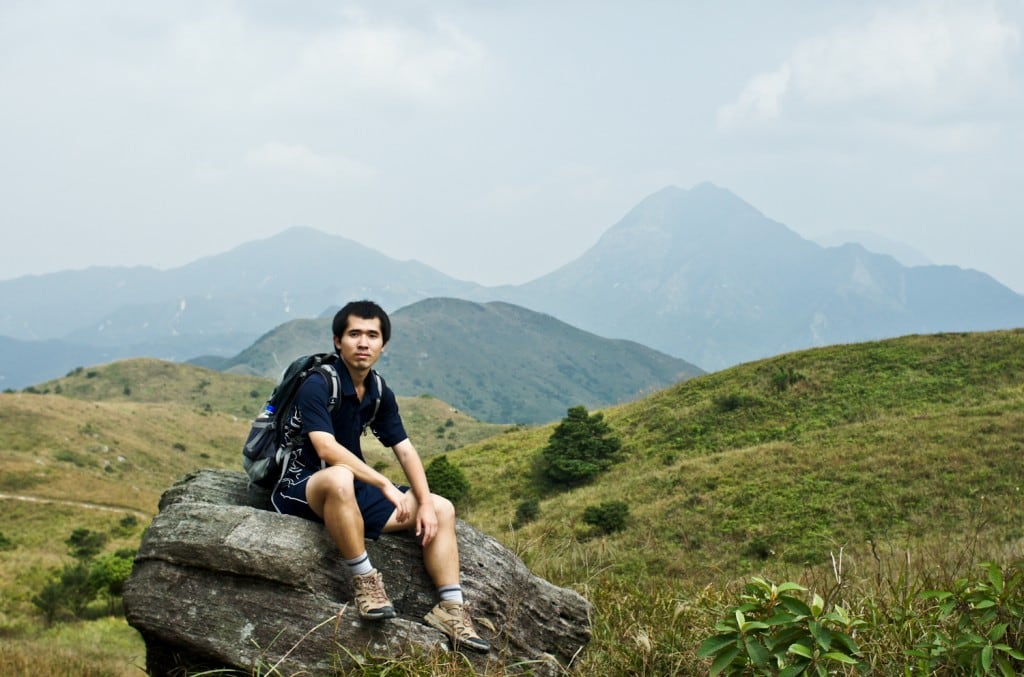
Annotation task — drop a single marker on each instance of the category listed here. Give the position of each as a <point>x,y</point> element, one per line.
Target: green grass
<point>105,647</point>
<point>868,473</point>
<point>910,446</point>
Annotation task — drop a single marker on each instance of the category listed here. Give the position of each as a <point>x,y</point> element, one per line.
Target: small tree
<point>79,588</point>
<point>581,447</point>
<point>110,572</point>
<point>447,479</point>
<point>75,586</point>
<point>49,601</point>
<point>84,544</point>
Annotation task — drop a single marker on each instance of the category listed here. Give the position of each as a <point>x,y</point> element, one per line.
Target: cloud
<point>364,57</point>
<point>760,100</point>
<point>299,161</point>
<point>233,59</point>
<point>919,61</point>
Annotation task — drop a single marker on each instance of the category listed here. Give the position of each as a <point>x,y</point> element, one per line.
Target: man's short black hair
<point>366,310</point>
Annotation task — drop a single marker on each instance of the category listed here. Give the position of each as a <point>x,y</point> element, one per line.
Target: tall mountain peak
<point>678,222</point>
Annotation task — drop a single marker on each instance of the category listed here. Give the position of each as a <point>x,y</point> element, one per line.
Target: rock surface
<point>220,582</point>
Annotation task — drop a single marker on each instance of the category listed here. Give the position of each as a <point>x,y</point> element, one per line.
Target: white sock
<point>450,593</point>
<point>360,566</point>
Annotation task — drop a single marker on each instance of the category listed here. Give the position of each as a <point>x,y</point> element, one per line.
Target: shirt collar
<point>348,388</point>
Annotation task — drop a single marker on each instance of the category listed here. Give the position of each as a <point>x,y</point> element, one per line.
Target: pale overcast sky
<point>496,141</point>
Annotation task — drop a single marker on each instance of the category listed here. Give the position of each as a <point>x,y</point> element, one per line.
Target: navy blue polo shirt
<point>349,416</point>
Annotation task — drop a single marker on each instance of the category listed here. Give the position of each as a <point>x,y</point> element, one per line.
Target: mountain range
<point>703,275</point>
<point>697,274</point>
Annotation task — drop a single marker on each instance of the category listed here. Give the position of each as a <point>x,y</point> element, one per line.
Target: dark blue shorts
<point>289,498</point>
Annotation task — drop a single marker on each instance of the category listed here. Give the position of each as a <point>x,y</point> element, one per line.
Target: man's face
<point>362,342</point>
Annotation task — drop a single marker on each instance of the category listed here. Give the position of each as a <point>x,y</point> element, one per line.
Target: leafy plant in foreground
<point>775,633</point>
<point>980,625</point>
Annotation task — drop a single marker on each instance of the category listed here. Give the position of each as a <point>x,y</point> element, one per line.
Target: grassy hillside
<point>899,453</point>
<point>829,447</point>
<point>96,449</point>
<point>434,425</point>
<point>158,382</point>
<point>865,472</point>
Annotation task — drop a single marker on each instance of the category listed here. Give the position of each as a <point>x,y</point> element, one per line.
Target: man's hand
<point>426,522</point>
<point>401,501</point>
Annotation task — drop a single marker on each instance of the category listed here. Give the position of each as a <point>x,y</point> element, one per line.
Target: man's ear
<point>337,343</point>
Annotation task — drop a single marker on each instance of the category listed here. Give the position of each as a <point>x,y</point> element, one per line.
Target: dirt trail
<point>75,504</point>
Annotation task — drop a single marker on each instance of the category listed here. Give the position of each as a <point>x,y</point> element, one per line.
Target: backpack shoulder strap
<point>380,393</point>
<point>376,401</point>
<point>330,374</point>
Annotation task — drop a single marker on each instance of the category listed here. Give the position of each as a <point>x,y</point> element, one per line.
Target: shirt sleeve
<point>387,425</point>
<point>311,405</point>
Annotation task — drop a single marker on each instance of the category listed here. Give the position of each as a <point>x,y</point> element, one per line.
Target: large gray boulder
<point>221,582</point>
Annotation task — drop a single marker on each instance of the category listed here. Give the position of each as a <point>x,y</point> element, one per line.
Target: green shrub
<point>110,572</point>
<point>784,377</point>
<point>608,517</point>
<point>69,590</point>
<point>127,525</point>
<point>527,511</point>
<point>447,479</point>
<point>49,601</point>
<point>979,625</point>
<point>734,401</point>
<point>580,448</point>
<point>775,633</point>
<point>84,544</point>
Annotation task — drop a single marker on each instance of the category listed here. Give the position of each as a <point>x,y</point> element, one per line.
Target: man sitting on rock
<point>327,479</point>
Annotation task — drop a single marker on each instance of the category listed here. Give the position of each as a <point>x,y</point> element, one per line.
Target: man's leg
<point>331,494</point>
<point>441,559</point>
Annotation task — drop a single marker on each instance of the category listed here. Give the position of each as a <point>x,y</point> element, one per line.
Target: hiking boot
<point>453,619</point>
<point>371,599</point>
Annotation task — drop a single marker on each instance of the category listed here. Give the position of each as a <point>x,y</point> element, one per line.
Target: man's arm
<point>334,453</point>
<point>412,465</point>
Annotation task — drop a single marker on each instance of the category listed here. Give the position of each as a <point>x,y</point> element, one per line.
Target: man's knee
<point>444,509</point>
<point>337,482</point>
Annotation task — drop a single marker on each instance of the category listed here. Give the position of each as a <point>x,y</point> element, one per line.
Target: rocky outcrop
<point>220,582</point>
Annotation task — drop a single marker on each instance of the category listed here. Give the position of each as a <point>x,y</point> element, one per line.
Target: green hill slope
<point>434,425</point>
<point>866,472</point>
<point>853,469</point>
<point>788,459</point>
<point>95,450</point>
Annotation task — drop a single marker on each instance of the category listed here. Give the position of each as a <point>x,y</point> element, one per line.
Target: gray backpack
<point>272,439</point>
